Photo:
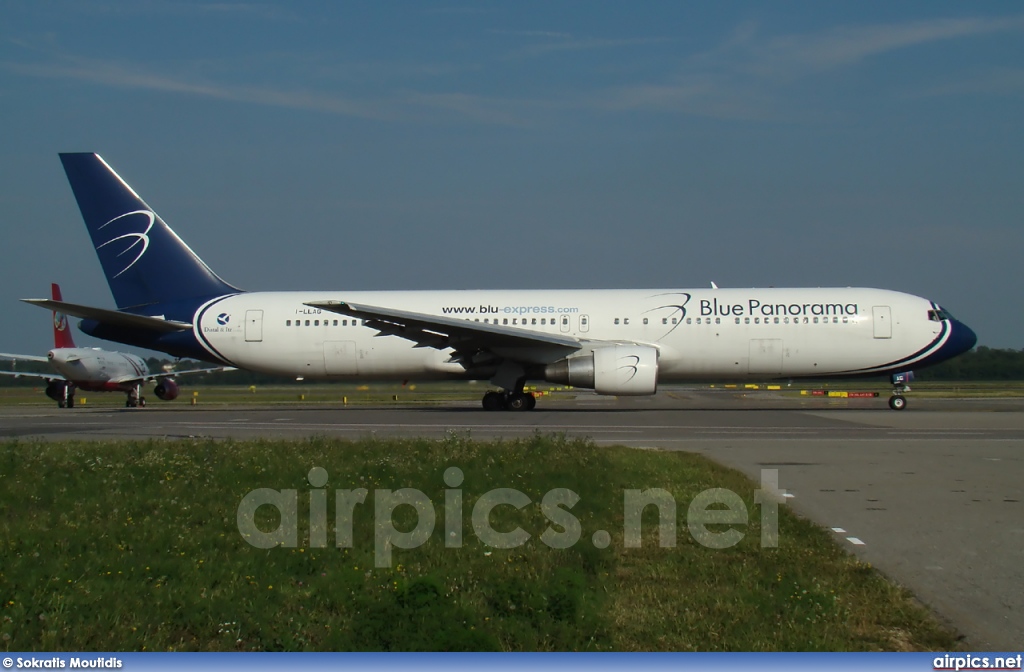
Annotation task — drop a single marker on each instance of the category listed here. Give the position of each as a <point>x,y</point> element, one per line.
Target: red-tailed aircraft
<point>95,369</point>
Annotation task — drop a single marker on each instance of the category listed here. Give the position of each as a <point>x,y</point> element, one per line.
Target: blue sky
<point>401,145</point>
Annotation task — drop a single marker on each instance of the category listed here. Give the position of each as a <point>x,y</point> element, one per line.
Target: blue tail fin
<point>144,261</point>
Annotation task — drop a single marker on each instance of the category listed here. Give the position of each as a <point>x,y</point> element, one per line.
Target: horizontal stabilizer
<point>112,317</point>
<point>172,374</point>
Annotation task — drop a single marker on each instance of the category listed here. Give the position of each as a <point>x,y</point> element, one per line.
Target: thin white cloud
<point>802,54</point>
<point>1000,81</point>
<point>567,44</point>
<point>255,10</point>
<point>402,106</point>
<point>533,33</point>
<point>482,109</point>
<point>748,76</point>
<point>115,75</point>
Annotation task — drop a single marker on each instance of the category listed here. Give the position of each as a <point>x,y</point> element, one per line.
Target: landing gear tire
<point>494,401</point>
<point>71,402</point>
<point>62,404</point>
<point>142,402</point>
<point>897,402</point>
<point>521,401</point>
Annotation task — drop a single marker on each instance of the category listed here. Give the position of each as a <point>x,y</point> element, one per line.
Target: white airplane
<point>617,342</point>
<point>95,370</point>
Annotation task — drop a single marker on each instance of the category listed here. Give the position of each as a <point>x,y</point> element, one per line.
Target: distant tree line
<point>981,363</point>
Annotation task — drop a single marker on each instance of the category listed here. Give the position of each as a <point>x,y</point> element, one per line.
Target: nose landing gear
<point>135,397</point>
<point>897,401</point>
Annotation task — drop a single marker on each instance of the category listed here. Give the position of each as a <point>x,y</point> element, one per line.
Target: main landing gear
<point>68,400</point>
<point>135,398</point>
<point>509,401</point>
<point>897,401</point>
<point>511,377</point>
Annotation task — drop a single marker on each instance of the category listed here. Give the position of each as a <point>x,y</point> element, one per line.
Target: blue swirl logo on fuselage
<point>223,318</point>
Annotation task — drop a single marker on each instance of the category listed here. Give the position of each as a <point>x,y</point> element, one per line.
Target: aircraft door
<point>340,358</point>
<point>766,356</point>
<point>563,324</point>
<point>881,318</point>
<point>254,326</point>
<point>584,323</point>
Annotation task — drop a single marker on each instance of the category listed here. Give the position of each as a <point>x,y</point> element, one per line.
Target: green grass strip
<point>133,545</point>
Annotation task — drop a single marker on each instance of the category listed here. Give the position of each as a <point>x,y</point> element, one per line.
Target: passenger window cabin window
<point>775,320</point>
<point>664,320</point>
<point>746,320</point>
<point>757,320</point>
<point>675,320</point>
<point>689,320</point>
<point>625,320</point>
<point>737,320</point>
<point>845,319</point>
<point>307,323</point>
<point>616,320</point>
<point>533,321</point>
<point>785,320</point>
<point>288,323</point>
<point>645,321</point>
<point>718,320</point>
<point>335,323</point>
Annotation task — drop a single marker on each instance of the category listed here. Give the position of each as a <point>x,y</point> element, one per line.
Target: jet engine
<point>166,389</point>
<point>613,369</point>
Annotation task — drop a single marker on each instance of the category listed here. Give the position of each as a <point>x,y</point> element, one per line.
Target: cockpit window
<point>939,315</point>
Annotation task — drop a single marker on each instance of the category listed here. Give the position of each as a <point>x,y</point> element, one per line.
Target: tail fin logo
<point>130,243</point>
<point>60,321</point>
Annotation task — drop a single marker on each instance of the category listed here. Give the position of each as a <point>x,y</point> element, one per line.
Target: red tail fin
<point>61,329</point>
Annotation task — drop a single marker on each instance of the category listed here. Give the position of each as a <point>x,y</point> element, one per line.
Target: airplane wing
<point>111,317</point>
<point>467,337</point>
<point>171,374</point>
<point>26,374</point>
<point>24,358</point>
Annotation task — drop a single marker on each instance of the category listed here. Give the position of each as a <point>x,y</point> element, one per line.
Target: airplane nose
<point>961,338</point>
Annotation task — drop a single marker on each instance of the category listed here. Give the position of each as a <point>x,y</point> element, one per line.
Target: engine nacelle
<point>166,389</point>
<point>55,389</point>
<point>614,369</point>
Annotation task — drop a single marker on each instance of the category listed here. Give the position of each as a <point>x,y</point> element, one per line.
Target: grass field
<point>136,546</point>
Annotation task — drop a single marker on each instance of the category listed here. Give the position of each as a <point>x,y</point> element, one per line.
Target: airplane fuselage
<point>699,334</point>
<point>97,370</point>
